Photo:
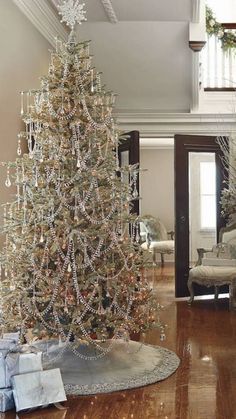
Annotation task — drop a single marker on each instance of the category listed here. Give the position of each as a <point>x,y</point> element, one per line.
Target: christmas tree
<point>71,265</point>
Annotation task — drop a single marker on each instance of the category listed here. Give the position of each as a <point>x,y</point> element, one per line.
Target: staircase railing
<point>218,66</point>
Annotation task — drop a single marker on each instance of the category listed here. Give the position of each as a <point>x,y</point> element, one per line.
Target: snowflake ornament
<point>72,12</point>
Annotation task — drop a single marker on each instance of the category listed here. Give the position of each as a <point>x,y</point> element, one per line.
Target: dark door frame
<point>183,145</point>
<point>131,144</point>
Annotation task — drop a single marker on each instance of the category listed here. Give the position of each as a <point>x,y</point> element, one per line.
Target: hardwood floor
<point>204,386</point>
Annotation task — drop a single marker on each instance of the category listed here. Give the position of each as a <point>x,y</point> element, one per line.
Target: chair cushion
<point>213,272</point>
<point>167,246</point>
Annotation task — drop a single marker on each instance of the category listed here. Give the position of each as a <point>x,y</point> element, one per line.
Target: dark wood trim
<point>183,145</point>
<point>229,25</point>
<point>196,46</point>
<point>219,89</point>
<point>131,144</point>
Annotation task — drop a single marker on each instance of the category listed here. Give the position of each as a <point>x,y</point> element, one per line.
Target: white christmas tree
<point>71,265</point>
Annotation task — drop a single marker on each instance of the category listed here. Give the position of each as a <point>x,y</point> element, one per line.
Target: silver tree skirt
<point>128,365</point>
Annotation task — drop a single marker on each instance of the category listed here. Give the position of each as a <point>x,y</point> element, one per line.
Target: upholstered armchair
<point>217,266</point>
<point>155,238</point>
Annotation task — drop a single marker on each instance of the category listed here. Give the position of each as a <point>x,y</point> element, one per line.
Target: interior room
<point>150,85</point>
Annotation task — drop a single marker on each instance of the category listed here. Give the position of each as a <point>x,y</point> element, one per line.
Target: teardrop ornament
<point>8,182</point>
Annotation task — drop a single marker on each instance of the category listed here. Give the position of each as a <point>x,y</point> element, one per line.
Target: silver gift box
<point>7,344</point>
<point>3,380</point>
<point>6,399</point>
<point>37,389</point>
<point>12,336</point>
<point>21,363</point>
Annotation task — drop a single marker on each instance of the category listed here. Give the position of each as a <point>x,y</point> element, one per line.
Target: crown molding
<point>44,18</point>
<point>109,9</point>
<point>156,143</point>
<point>154,124</point>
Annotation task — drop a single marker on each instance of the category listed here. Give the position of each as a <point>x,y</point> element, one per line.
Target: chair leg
<point>191,291</point>
<point>162,259</point>
<point>216,292</point>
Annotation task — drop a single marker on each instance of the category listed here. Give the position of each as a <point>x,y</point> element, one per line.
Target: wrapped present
<point>12,336</point>
<point>3,379</point>
<point>22,362</point>
<point>6,399</point>
<point>38,389</point>
<point>7,344</point>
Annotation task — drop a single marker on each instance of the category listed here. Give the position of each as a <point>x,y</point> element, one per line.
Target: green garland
<point>226,36</point>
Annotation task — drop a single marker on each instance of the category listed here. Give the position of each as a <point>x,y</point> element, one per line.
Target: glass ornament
<point>92,85</point>
<point>8,180</point>
<point>19,146</point>
<point>22,103</point>
<point>135,193</point>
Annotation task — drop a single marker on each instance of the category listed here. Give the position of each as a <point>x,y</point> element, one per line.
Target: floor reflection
<point>204,337</point>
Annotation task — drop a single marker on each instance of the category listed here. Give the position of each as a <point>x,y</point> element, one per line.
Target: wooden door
<point>185,144</point>
<point>129,153</point>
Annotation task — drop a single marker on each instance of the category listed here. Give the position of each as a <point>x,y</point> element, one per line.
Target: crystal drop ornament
<point>8,182</point>
<point>19,150</point>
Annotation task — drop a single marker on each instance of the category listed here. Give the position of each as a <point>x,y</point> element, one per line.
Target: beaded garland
<point>71,264</point>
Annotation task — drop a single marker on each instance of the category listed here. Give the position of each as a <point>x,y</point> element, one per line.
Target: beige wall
<point>24,58</point>
<point>157,184</point>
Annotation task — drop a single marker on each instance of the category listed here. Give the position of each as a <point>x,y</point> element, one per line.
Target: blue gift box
<point>6,399</point>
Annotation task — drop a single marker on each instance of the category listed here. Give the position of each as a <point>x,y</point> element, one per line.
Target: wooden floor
<point>204,386</point>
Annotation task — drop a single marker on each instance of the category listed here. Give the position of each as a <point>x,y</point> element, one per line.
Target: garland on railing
<point>226,36</point>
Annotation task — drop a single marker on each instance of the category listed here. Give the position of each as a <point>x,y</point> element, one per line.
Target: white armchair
<point>154,237</point>
<point>217,266</point>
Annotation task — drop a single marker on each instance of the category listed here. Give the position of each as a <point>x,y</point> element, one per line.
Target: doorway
<point>186,150</point>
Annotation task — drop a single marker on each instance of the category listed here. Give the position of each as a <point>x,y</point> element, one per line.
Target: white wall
<point>157,184</point>
<point>24,58</point>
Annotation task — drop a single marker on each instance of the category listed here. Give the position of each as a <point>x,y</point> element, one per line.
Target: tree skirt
<point>128,365</point>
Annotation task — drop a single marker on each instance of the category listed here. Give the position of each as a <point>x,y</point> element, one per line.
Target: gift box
<point>21,363</point>
<point>12,336</point>
<point>38,389</point>
<point>6,399</point>
<point>3,380</point>
<point>5,346</point>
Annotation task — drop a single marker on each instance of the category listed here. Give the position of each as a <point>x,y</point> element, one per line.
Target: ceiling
<point>144,57</point>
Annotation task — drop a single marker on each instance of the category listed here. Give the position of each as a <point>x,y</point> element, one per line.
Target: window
<point>208,195</point>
